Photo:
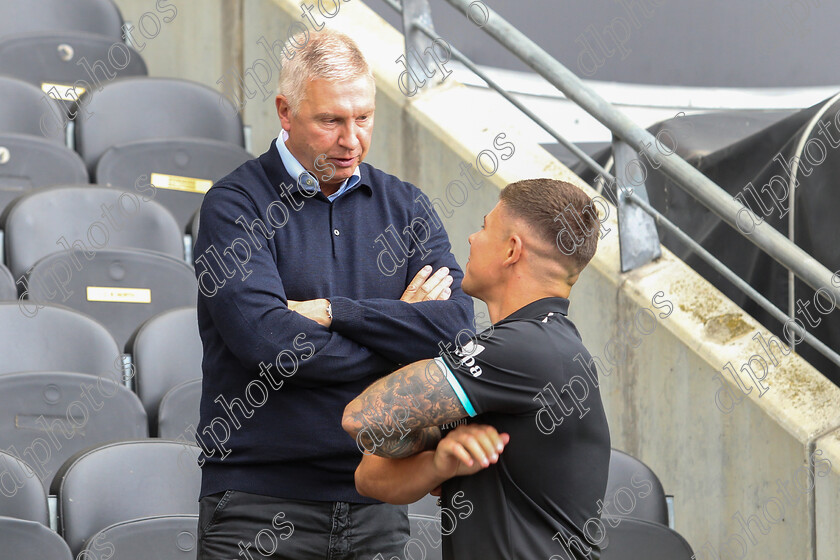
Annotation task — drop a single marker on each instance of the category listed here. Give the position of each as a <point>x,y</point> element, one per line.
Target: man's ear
<point>284,111</point>
<point>513,250</point>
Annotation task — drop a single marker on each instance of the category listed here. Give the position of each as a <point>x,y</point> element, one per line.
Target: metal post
<point>415,12</point>
<point>638,239</point>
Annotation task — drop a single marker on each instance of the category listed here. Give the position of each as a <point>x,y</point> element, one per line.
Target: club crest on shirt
<point>467,354</point>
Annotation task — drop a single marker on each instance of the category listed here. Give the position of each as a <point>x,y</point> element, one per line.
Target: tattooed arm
<point>398,415</point>
<point>395,421</point>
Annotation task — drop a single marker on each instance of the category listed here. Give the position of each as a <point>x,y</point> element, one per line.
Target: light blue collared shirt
<point>305,179</point>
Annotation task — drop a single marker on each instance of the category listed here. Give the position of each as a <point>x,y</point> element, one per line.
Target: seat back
<point>30,540</point>
<point>192,228</point>
<point>181,169</point>
<point>120,288</point>
<point>171,537</point>
<point>8,289</point>
<point>88,218</point>
<point>179,409</point>
<point>54,338</point>
<point>167,351</point>
<point>49,416</point>
<point>23,495</point>
<point>29,162</point>
<point>25,109</point>
<point>65,64</point>
<point>426,529</point>
<point>131,109</point>
<point>637,539</point>
<point>91,16</point>
<point>634,490</point>
<point>122,481</point>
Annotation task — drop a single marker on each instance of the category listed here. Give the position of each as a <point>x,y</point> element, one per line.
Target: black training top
<point>526,376</point>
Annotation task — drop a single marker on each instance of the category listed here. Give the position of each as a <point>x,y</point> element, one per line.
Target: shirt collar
<point>305,179</point>
<point>540,308</point>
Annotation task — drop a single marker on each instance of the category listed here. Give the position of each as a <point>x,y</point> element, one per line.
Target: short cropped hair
<point>554,209</point>
<point>328,55</point>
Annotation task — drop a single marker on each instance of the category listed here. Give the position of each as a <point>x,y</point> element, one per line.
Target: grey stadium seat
<point>49,416</point>
<point>633,486</point>
<point>8,289</point>
<point>54,339</point>
<point>123,481</point>
<point>29,540</point>
<point>181,169</point>
<point>55,61</point>
<point>25,109</point>
<point>192,228</point>
<point>179,409</point>
<point>101,17</point>
<point>426,529</point>
<point>120,288</point>
<point>424,516</point>
<point>165,537</point>
<point>637,539</point>
<point>53,219</point>
<point>132,109</point>
<point>22,495</point>
<point>28,162</point>
<point>166,350</point>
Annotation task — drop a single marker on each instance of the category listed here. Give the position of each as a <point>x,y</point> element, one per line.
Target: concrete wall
<point>720,462</point>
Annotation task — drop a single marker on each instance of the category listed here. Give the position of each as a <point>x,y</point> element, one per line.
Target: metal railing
<point>417,22</point>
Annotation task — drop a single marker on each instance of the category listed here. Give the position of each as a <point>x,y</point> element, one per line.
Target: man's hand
<point>467,449</point>
<point>429,288</point>
<point>314,309</point>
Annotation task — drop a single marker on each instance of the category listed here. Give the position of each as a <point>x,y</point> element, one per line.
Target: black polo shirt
<point>550,477</point>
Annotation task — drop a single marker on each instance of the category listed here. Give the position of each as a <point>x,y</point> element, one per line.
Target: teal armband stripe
<point>453,382</point>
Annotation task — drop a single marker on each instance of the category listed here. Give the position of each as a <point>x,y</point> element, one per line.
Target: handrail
<point>697,185</point>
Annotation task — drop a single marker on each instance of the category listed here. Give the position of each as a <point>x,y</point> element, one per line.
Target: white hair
<point>328,55</point>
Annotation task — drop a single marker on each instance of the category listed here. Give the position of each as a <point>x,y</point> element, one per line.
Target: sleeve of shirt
<point>251,314</point>
<point>491,374</point>
<point>409,332</point>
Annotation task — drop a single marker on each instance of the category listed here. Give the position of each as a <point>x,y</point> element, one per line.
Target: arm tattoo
<point>398,415</point>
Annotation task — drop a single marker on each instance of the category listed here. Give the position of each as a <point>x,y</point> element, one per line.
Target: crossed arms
<point>410,459</point>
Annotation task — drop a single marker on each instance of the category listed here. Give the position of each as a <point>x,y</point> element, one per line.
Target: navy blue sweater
<point>275,383</point>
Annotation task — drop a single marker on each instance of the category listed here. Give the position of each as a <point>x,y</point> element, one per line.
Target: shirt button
<point>335,231</point>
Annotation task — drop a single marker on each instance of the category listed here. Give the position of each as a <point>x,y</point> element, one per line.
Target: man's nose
<point>349,136</point>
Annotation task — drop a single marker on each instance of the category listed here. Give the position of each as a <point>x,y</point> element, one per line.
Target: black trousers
<point>235,525</point>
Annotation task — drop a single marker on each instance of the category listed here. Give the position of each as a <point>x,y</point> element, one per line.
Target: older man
<point>528,470</point>
<point>318,275</point>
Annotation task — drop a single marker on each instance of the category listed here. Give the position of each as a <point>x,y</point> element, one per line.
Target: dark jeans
<point>236,525</point>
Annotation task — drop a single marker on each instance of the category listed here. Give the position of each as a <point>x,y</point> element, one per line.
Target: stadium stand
<point>8,290</point>
<point>28,162</point>
<point>123,481</point>
<point>120,288</point>
<point>66,64</point>
<point>631,475</point>
<point>181,169</point>
<point>29,540</point>
<point>49,416</point>
<point>28,110</point>
<point>101,17</point>
<point>166,350</point>
<point>637,539</point>
<point>23,495</point>
<point>179,408</point>
<point>132,109</point>
<point>50,219</point>
<point>166,537</point>
<point>54,338</point>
